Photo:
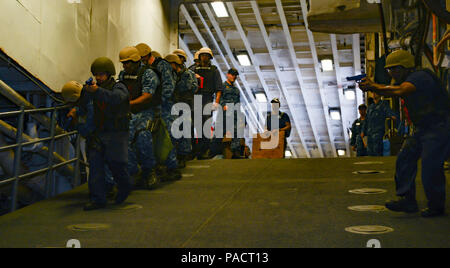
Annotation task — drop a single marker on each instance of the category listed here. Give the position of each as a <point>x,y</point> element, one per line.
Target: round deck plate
<point>369,229</point>
<point>368,172</point>
<point>128,207</point>
<point>199,166</point>
<point>369,163</point>
<point>368,191</point>
<point>370,208</point>
<point>86,227</point>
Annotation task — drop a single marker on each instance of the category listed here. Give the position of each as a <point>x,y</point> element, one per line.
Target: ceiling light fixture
<point>335,114</point>
<point>327,65</point>
<point>288,154</point>
<point>244,59</point>
<point>261,97</point>
<point>220,9</point>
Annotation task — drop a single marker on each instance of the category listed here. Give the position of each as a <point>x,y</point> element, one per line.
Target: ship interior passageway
<point>90,92</point>
<point>238,204</point>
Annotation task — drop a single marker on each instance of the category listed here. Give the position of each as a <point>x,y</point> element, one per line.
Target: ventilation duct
<point>344,16</point>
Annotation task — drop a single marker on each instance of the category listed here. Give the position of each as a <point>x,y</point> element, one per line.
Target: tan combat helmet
<point>144,49</point>
<point>400,58</point>
<point>206,50</point>
<point>156,54</point>
<point>180,53</point>
<point>197,56</point>
<point>129,54</point>
<point>71,91</point>
<point>172,58</point>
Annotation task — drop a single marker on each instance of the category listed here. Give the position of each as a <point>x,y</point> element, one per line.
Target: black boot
<point>404,204</point>
<point>151,181</point>
<point>181,161</point>
<point>93,206</point>
<point>173,175</point>
<point>431,212</point>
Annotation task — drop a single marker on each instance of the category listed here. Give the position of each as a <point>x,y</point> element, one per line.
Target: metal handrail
<point>49,182</point>
<point>34,141</point>
<point>32,111</point>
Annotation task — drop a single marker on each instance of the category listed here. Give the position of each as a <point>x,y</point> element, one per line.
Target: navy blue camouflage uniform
<point>185,88</point>
<point>86,128</point>
<point>356,139</point>
<point>110,146</point>
<point>168,82</point>
<point>428,108</point>
<point>375,127</point>
<point>140,143</point>
<point>230,97</point>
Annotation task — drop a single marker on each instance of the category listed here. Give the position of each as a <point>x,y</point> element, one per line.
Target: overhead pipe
<point>383,25</point>
<point>435,41</point>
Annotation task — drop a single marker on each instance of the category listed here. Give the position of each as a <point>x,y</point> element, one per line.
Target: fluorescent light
<point>350,94</point>
<point>261,97</point>
<point>219,8</point>
<point>244,60</point>
<point>341,152</point>
<point>335,114</point>
<point>327,65</point>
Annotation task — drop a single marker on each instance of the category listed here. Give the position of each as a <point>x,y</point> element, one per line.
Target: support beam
<point>250,108</point>
<point>234,62</point>
<point>318,76</point>
<point>256,63</point>
<point>357,61</point>
<point>194,28</point>
<point>284,90</point>
<point>183,46</point>
<point>293,56</point>
<point>339,78</point>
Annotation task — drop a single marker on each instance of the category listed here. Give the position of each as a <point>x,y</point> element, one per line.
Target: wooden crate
<point>276,153</point>
<point>227,153</point>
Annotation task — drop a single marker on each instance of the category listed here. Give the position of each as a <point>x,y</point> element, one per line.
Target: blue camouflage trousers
<point>184,145</point>
<point>375,144</point>
<point>168,118</point>
<point>235,141</point>
<point>140,145</point>
<point>111,151</point>
<point>432,145</point>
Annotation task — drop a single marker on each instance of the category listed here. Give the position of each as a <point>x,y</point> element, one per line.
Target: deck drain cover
<point>369,163</point>
<point>198,167</point>
<point>188,175</point>
<point>372,208</point>
<point>368,172</point>
<point>128,207</point>
<point>88,227</point>
<point>368,191</point>
<point>369,229</point>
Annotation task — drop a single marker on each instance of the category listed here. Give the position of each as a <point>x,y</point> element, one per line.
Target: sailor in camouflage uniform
<point>185,88</point>
<point>166,74</point>
<point>142,83</point>
<point>231,96</point>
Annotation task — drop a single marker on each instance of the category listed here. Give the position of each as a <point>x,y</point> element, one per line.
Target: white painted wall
<point>57,40</point>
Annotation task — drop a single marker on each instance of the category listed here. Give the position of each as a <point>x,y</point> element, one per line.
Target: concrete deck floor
<point>237,204</point>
